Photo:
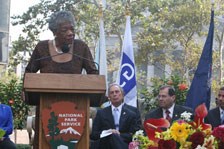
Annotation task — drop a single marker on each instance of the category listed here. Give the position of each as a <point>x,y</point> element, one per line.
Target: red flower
<point>218,132</point>
<point>11,101</point>
<point>197,138</point>
<point>182,87</point>
<point>155,125</point>
<point>151,147</point>
<point>199,114</point>
<point>167,144</point>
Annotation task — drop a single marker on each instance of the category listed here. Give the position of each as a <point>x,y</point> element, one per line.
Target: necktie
<point>116,118</point>
<point>168,115</point>
<point>222,117</point>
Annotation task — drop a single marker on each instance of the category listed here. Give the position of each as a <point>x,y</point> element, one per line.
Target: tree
<point>10,94</point>
<point>172,34</point>
<point>86,15</point>
<point>169,32</point>
<point>52,127</point>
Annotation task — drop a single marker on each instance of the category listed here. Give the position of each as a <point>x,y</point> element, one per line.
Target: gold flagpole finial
<point>100,10</point>
<point>127,10</point>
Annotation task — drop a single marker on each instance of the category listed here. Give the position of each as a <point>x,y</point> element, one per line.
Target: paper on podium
<point>105,133</point>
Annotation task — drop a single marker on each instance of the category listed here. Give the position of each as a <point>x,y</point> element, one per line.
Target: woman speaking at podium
<point>63,54</point>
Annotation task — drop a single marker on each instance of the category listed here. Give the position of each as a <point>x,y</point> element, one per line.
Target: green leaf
<point>2,133</point>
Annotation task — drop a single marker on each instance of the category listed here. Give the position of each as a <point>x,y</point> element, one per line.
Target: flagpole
<point>102,44</point>
<point>126,77</point>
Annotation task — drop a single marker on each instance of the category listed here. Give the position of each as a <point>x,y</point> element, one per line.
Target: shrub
<point>150,94</point>
<point>10,94</point>
<point>23,146</point>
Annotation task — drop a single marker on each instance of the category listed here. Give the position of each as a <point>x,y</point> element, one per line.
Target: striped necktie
<point>168,115</point>
<point>116,118</point>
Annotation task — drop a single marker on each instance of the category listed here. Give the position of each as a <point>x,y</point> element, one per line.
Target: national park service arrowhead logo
<point>63,124</point>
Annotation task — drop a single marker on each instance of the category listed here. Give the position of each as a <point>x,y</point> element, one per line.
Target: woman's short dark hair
<point>58,18</point>
<point>171,90</point>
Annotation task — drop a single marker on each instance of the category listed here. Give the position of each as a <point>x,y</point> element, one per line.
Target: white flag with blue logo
<point>126,75</point>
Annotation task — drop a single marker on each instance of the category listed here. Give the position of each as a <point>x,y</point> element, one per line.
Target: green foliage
<point>169,32</point>
<point>2,133</point>
<point>150,95</point>
<point>10,94</point>
<point>86,13</point>
<point>23,146</point>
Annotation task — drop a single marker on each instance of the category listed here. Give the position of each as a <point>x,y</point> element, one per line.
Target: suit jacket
<point>177,111</point>
<point>130,122</point>
<point>213,117</point>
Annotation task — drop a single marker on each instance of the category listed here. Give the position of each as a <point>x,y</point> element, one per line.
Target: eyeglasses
<point>219,95</point>
<point>161,96</point>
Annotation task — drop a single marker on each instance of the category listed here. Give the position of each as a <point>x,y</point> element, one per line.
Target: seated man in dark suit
<point>119,120</point>
<point>167,107</point>
<point>215,116</point>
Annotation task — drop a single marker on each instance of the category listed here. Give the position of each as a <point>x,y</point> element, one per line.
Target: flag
<point>97,54</point>
<point>200,89</point>
<point>126,74</point>
<point>103,56</point>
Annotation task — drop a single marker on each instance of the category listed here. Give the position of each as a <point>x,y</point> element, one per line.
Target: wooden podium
<point>83,90</point>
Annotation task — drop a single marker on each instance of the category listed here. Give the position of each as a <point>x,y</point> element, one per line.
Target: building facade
<point>4,32</point>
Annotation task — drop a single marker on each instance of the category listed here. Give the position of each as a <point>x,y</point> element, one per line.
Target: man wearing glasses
<point>215,116</point>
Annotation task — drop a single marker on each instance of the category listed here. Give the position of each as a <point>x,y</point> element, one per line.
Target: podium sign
<point>63,124</point>
<point>64,107</point>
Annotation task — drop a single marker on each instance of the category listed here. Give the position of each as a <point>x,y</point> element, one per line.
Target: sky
<point>17,8</point>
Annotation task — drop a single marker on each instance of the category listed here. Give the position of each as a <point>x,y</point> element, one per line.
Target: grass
<point>23,146</point>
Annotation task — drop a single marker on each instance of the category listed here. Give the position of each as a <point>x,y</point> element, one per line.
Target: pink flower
<point>133,145</point>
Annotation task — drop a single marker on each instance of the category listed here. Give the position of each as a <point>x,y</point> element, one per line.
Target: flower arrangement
<point>218,133</point>
<point>139,137</point>
<point>181,134</point>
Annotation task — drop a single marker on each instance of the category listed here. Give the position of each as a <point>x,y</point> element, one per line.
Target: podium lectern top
<point>93,85</point>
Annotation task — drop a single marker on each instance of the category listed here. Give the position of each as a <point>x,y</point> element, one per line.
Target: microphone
<point>98,66</point>
<point>46,57</point>
<point>65,48</point>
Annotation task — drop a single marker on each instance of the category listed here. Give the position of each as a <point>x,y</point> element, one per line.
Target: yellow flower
<point>186,145</point>
<point>179,131</point>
